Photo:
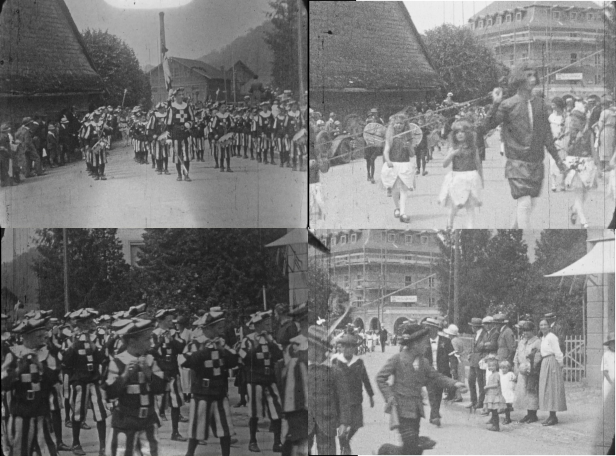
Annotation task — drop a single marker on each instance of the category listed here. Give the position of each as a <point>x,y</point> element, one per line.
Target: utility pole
<point>456,277</point>
<point>65,242</point>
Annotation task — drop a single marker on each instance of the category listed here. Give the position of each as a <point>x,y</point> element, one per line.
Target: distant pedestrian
<point>551,383</point>
<point>383,338</point>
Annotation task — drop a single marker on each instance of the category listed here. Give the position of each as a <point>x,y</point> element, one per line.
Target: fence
<point>574,364</point>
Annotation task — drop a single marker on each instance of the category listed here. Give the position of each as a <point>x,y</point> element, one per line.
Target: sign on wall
<point>569,76</point>
<point>404,299</point>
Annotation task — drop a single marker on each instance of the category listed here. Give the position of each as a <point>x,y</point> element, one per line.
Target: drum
<point>413,135</point>
<point>374,134</point>
<point>226,139</point>
<point>300,137</point>
<point>324,165</point>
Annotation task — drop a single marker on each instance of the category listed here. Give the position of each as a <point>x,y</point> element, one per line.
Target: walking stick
<point>123,97</point>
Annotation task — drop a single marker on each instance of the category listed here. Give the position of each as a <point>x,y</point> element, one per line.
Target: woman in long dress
<point>551,382</point>
<point>527,361</point>
<point>398,172</point>
<point>606,128</point>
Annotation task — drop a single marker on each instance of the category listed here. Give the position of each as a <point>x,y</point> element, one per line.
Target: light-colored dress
<point>494,399</point>
<point>508,386</point>
<point>526,390</point>
<point>606,124</point>
<point>557,125</point>
<point>551,382</point>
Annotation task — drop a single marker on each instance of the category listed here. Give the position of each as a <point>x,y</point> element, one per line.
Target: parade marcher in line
<point>441,356</point>
<point>133,380</point>
<point>354,376</point>
<point>94,137</point>
<point>65,141</point>
<point>209,406</point>
<point>52,146</point>
<point>29,373</point>
<point>506,339</point>
<point>487,346</point>
<point>398,171</point>
<point>266,125</point>
<point>507,380</point>
<point>82,360</point>
<point>166,346</point>
<point>551,383</point>
<point>411,372</point>
<point>260,353</point>
<point>197,133</point>
<point>159,146</point>
<point>240,376</point>
<point>298,148</point>
<point>6,157</point>
<point>583,162</point>
<point>462,186</point>
<point>494,400</point>
<point>526,133</point>
<point>527,363</point>
<point>221,126</point>
<point>281,134</point>
<point>26,152</point>
<point>328,396</point>
<point>557,126</point>
<point>179,122</point>
<point>184,333</point>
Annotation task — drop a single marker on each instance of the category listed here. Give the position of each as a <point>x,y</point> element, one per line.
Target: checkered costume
<point>156,126</point>
<point>166,346</point>
<point>177,116</point>
<point>266,127</point>
<point>134,421</point>
<point>209,406</point>
<point>28,376</point>
<point>259,357</point>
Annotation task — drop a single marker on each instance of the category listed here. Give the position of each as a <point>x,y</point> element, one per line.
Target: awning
<point>299,236</point>
<point>600,260</point>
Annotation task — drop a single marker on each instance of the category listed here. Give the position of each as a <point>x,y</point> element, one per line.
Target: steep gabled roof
<point>496,7</point>
<point>367,45</point>
<point>201,67</point>
<point>42,51</point>
<point>239,63</point>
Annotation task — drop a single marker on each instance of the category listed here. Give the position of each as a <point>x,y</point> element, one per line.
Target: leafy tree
<point>327,298</point>
<point>196,269</point>
<point>467,67</point>
<point>283,43</point>
<point>118,66</point>
<point>98,275</point>
<point>557,249</point>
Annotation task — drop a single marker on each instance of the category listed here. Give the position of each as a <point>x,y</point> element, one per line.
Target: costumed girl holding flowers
<point>462,185</point>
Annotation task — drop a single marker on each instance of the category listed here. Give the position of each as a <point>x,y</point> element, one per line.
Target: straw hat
<point>452,330</point>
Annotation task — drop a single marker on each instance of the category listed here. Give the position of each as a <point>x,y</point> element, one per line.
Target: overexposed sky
<point>429,14</point>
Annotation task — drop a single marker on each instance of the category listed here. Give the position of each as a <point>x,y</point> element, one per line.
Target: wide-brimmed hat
<point>215,315</point>
<point>412,332</point>
<point>610,338</point>
<point>162,313</point>
<point>487,319</point>
<point>431,322</point>
<point>348,340</point>
<point>5,127</point>
<point>451,330</point>
<point>30,325</point>
<point>133,327</point>
<point>475,322</point>
<point>83,314</point>
<point>38,314</point>
<point>500,318</point>
<point>135,311</point>
<point>260,316</point>
<point>26,120</point>
<point>550,315</point>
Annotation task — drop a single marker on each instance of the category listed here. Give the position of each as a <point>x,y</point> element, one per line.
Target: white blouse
<point>549,346</point>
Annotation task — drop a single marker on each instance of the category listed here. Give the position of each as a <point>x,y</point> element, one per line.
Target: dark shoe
<point>233,441</point>
<point>506,420</point>
<point>424,173</point>
<point>425,443</point>
<point>85,426</point>
<point>240,404</point>
<point>372,181</point>
<point>101,452</point>
<point>272,162</point>
<point>471,405</point>
<point>525,419</point>
<point>166,172</point>
<point>183,419</point>
<point>436,422</point>
<point>63,447</point>
<point>187,179</point>
<point>78,450</point>
<point>389,192</point>
<point>277,448</point>
<point>252,446</point>
<point>494,427</point>
<point>178,179</point>
<point>159,172</point>
<point>229,170</point>
<point>222,169</point>
<point>551,421</point>
<point>68,424</point>
<point>178,437</point>
<point>417,172</point>
<point>533,419</point>
<point>103,177</point>
<point>163,417</point>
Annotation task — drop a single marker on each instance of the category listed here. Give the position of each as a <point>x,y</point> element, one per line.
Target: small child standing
<point>462,186</point>
<point>494,399</point>
<point>507,380</point>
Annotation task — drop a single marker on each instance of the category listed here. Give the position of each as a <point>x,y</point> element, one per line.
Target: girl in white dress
<point>557,125</point>
<point>508,383</point>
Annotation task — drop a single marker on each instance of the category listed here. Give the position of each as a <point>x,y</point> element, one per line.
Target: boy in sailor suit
<point>133,380</point>
<point>180,118</point>
<point>29,373</point>
<point>260,353</point>
<point>209,369</point>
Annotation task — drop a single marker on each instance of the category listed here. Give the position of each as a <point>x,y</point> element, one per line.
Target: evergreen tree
<point>98,275</point>
<point>196,269</point>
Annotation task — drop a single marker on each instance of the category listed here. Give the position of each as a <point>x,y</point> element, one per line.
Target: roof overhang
<point>600,260</point>
<point>299,236</point>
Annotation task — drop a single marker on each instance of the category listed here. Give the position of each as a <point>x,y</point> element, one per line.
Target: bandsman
<point>260,353</point>
<point>255,134</point>
<point>160,148</point>
<point>197,133</point>
<point>221,126</point>
<point>266,124</point>
<point>297,123</point>
<point>209,369</point>
<point>133,380</point>
<point>180,119</point>
<point>95,143</point>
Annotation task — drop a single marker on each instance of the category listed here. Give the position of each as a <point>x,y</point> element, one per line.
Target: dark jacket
<point>475,355</point>
<point>355,375</point>
<point>489,343</point>
<point>506,345</point>
<point>328,399</point>
<point>446,362</point>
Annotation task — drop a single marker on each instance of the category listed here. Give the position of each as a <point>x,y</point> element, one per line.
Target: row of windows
<point>408,280</point>
<point>385,237</point>
<point>556,15</point>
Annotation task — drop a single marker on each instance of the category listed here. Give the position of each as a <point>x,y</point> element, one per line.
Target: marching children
<point>582,160</point>
<point>508,381</point>
<point>462,185</point>
<point>354,375</point>
<point>494,399</point>
<point>133,380</point>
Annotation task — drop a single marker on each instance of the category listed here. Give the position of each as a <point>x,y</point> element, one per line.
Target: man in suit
<point>506,340</point>
<point>476,376</point>
<point>441,357</point>
<point>488,346</point>
<point>328,396</point>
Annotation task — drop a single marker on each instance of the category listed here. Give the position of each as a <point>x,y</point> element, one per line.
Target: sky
<point>191,31</point>
<point>430,14</point>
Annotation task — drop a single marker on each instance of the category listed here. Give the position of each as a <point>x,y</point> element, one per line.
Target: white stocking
<point>453,210</point>
<point>470,216</point>
<point>524,209</point>
<point>578,205</point>
<point>396,196</point>
<point>404,194</point>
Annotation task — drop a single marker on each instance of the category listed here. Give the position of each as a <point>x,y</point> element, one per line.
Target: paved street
<point>254,195</point>
<point>463,433</point>
<point>89,438</point>
<point>353,202</point>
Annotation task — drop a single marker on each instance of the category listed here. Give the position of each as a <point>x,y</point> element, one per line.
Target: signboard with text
<point>404,299</point>
<point>569,76</point>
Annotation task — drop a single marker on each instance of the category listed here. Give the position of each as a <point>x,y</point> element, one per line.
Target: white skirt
<point>584,175</point>
<point>611,186</point>
<point>405,171</point>
<point>460,187</point>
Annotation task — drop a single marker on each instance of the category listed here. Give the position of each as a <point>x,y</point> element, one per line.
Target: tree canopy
<point>467,67</point>
<point>118,66</point>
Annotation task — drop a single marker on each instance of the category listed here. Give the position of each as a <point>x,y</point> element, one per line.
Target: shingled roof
<point>42,52</point>
<point>367,46</point>
<point>200,67</point>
